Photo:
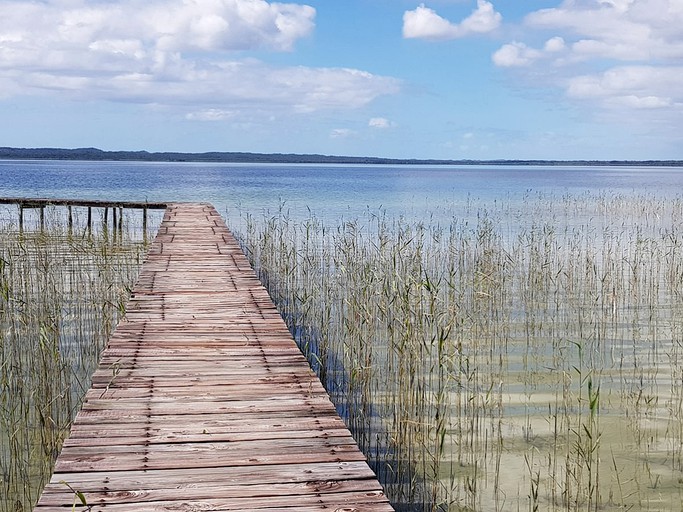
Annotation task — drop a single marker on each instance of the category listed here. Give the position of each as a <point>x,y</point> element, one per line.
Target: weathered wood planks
<point>202,401</point>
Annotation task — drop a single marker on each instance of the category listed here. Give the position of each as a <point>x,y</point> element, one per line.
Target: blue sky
<point>473,79</point>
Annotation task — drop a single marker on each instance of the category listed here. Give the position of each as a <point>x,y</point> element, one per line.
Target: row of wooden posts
<point>117,217</point>
<point>116,208</point>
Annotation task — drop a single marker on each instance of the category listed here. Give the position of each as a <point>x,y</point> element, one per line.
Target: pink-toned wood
<point>202,401</point>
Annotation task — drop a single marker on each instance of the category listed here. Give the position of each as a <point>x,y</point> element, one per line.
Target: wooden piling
<point>24,203</point>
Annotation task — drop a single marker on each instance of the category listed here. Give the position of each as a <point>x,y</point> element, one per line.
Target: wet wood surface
<point>202,401</point>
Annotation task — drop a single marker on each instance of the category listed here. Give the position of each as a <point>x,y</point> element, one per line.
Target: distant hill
<point>94,154</point>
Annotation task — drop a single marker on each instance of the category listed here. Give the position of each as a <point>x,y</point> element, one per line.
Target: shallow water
<point>611,213</point>
<point>329,191</point>
<point>562,368</point>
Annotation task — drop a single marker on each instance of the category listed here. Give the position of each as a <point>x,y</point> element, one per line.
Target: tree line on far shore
<point>94,154</point>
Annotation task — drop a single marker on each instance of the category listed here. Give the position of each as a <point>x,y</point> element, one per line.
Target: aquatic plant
<point>526,355</point>
<point>61,291</point>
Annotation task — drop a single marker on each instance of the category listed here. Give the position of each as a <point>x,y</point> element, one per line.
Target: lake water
<point>329,191</point>
<point>541,315</point>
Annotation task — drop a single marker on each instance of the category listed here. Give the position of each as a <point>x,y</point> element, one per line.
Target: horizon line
<point>96,154</point>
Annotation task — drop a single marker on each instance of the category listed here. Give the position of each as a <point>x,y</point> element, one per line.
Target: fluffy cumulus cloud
<point>640,87</point>
<point>515,54</point>
<point>425,23</point>
<point>623,55</point>
<point>172,52</point>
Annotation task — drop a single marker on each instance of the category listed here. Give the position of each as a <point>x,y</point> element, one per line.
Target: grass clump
<point>61,293</point>
<point>521,357</point>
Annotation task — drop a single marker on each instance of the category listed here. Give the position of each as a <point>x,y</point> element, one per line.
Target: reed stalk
<point>498,360</point>
<point>61,292</point>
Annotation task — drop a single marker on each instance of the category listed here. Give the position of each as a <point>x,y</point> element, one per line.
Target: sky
<point>444,79</point>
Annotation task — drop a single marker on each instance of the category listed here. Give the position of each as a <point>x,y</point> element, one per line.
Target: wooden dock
<point>202,401</point>
<point>40,204</point>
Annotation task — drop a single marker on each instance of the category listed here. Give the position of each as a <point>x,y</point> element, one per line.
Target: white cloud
<point>628,30</point>
<point>103,36</point>
<point>518,54</point>
<point>624,57</point>
<point>641,87</point>
<point>172,52</point>
<point>515,54</point>
<point>210,114</point>
<point>619,5</point>
<point>554,45</point>
<point>644,102</point>
<point>342,133</point>
<point>380,123</point>
<point>425,23</point>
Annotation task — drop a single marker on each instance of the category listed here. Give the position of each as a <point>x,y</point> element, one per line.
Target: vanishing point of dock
<point>202,400</point>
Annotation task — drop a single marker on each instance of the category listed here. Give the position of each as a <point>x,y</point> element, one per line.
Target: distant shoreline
<point>97,155</point>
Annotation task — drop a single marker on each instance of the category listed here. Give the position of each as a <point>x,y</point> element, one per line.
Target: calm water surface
<point>333,192</point>
<point>329,191</point>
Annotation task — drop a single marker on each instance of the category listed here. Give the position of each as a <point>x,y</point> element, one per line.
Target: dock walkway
<point>202,401</point>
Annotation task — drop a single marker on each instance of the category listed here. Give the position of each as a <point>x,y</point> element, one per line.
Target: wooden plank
<point>202,401</point>
<point>237,391</point>
<point>143,436</point>
<point>207,490</point>
<point>216,425</point>
<point>336,501</point>
<point>99,417</point>
<point>204,455</point>
<point>172,478</point>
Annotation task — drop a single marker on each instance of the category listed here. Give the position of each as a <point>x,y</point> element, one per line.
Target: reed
<point>61,292</point>
<point>525,356</point>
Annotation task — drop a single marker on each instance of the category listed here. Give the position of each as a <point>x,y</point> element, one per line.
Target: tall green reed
<point>524,356</point>
<point>61,292</point>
